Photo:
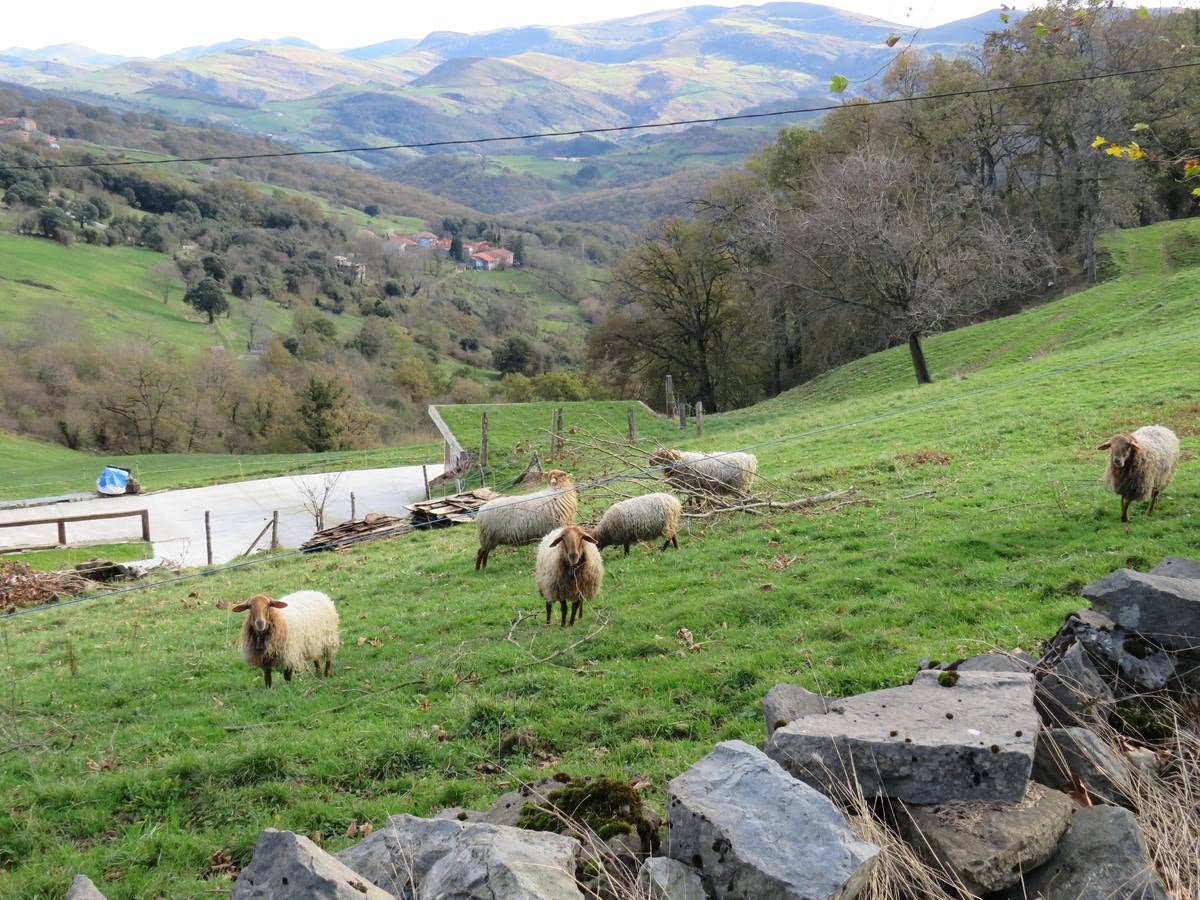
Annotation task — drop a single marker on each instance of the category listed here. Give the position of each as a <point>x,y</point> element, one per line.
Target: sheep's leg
<point>287,674</point>
<point>1153,500</point>
<point>481,559</point>
<point>549,604</point>
<point>1124,509</point>
<point>626,549</point>
<point>267,675</point>
<point>576,605</point>
<point>563,605</point>
<point>675,541</point>
<point>328,664</point>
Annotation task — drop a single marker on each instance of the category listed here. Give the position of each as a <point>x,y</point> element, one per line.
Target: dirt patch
<point>924,457</point>
<point>36,284</point>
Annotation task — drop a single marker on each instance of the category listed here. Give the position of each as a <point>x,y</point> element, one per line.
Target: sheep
<point>521,520</point>
<point>569,567</point>
<point>288,632</point>
<point>1141,465</point>
<point>705,473</point>
<point>643,518</point>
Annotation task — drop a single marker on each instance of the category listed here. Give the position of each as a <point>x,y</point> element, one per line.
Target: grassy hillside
<point>144,753</point>
<point>30,468</point>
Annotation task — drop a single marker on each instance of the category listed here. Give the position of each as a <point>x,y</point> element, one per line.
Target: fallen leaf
<point>766,587</point>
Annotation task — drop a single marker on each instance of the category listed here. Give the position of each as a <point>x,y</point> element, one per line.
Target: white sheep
<point>707,473</point>
<point>513,521</point>
<point>568,567</point>
<point>644,518</point>
<point>1141,465</point>
<point>286,633</point>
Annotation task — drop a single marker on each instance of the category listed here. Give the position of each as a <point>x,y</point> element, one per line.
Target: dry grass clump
<point>22,586</point>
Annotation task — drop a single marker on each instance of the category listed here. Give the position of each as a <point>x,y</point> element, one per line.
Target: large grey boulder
<point>1063,752</point>
<point>1017,661</point>
<point>1165,610</point>
<point>754,831</point>
<point>947,736</point>
<point>1123,658</point>
<point>1071,691</point>
<point>663,878</point>
<point>787,702</point>
<point>83,889</point>
<point>429,858</point>
<point>290,865</point>
<point>1177,567</point>
<point>1103,856</point>
<point>987,846</point>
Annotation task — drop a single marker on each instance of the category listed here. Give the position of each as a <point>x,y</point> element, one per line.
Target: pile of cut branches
<point>22,585</point>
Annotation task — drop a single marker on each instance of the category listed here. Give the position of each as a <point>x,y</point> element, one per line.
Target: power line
<point>630,475</point>
<point>613,129</point>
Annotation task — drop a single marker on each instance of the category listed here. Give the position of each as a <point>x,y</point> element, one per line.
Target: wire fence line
<point>644,472</point>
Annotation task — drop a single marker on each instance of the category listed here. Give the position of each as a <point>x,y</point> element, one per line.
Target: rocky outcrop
<point>1161,609</point>
<point>947,736</point>
<point>752,830</point>
<point>290,865</point>
<point>785,703</point>
<point>663,878</point>
<point>1067,753</point>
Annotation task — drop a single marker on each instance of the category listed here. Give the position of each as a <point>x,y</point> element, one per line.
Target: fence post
<point>631,431</point>
<point>669,395</point>
<point>425,475</point>
<point>275,530</point>
<point>146,525</point>
<point>483,442</point>
<point>699,417</point>
<point>681,409</point>
<point>353,508</point>
<point>208,535</point>
<point>62,534</point>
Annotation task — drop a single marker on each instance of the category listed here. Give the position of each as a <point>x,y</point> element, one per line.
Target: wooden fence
<point>61,522</point>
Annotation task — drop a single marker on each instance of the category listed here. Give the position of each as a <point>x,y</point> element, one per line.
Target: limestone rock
<point>787,702</point>
<point>1071,691</point>
<point>1165,610</point>
<point>663,878</point>
<point>1062,752</point>
<point>947,736</point>
<point>987,846</point>
<point>429,858</point>
<point>754,831</point>
<point>1177,567</point>
<point>1102,856</point>
<point>83,889</point>
<point>290,865</point>
<point>1119,655</point>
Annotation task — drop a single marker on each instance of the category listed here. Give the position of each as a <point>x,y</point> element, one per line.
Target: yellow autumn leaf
<point>1098,142</point>
<point>1134,152</point>
<point>1114,150</point>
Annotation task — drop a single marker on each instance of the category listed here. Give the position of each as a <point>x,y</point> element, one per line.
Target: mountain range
<point>688,63</point>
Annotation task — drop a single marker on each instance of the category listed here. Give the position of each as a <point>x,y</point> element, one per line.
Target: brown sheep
<point>1141,465</point>
<point>286,633</point>
<point>569,567</point>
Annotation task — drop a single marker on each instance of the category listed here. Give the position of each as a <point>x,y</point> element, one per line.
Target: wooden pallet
<point>437,513</point>
<point>455,509</point>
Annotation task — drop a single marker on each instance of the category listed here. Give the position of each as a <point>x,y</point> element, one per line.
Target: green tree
<point>320,402</point>
<point>456,248</point>
<point>208,297</point>
<point>214,267</point>
<point>515,355</point>
<point>371,210</point>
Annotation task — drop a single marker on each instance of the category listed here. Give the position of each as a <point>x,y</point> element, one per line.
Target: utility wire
<point>612,129</point>
<point>633,474</point>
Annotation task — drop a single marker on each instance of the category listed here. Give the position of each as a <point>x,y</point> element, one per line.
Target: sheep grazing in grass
<point>569,567</point>
<point>289,632</point>
<point>707,473</point>
<point>1141,465</point>
<point>513,521</point>
<point>644,518</point>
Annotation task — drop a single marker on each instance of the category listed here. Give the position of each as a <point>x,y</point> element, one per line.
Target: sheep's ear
<point>241,607</point>
<point>278,604</point>
<point>1105,445</point>
<point>591,540</point>
<point>556,541</point>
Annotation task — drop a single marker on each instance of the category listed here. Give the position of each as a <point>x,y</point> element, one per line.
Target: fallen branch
<point>556,653</point>
<point>803,503</point>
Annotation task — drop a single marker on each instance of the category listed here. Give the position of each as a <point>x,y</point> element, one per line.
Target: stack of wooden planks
<point>436,513</point>
<point>453,510</point>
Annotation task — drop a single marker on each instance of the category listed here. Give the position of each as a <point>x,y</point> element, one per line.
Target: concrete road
<point>239,511</point>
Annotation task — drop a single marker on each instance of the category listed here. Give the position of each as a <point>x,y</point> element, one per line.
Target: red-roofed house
<point>496,258</point>
<point>401,243</point>
<point>425,238</point>
<point>443,245</point>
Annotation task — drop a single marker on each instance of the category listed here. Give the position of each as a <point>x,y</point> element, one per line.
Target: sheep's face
<point>259,606</point>
<point>572,540</point>
<point>1121,448</point>
<point>663,457</point>
<point>558,478</point>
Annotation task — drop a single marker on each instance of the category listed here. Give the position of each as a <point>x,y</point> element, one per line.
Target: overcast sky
<point>152,27</point>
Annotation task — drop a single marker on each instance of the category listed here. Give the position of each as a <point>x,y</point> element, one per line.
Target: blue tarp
<point>112,481</point>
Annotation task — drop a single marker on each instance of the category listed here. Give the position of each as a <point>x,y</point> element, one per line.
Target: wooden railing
<point>61,522</point>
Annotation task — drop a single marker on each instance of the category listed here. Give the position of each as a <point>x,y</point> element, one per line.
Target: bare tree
<point>140,399</point>
<point>317,493</point>
<point>164,276</point>
<point>898,239</point>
